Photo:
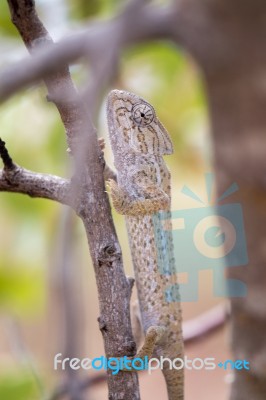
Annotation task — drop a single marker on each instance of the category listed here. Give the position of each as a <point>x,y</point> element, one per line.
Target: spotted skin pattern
<point>141,193</point>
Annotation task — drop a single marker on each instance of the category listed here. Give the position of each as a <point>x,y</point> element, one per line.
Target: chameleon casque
<point>142,194</point>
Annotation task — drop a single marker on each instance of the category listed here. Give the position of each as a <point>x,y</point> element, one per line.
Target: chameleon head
<point>135,126</point>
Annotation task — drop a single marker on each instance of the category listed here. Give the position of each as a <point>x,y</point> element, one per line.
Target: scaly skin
<point>139,141</point>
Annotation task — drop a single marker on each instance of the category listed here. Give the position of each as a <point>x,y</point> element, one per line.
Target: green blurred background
<point>31,300</point>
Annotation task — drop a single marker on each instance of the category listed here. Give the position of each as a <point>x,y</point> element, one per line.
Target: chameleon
<point>142,193</point>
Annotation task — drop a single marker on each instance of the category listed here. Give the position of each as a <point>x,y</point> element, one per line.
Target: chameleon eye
<point>143,114</point>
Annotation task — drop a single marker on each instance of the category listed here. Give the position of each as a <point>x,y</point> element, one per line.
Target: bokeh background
<point>33,303</point>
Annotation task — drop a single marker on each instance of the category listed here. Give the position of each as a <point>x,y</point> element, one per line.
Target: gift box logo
<point>203,238</point>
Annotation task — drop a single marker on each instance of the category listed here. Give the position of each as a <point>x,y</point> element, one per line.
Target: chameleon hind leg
<point>153,335</point>
<point>145,343</point>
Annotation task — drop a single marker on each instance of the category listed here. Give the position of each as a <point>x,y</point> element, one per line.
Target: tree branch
<point>90,202</point>
<point>61,89</point>
<point>20,180</point>
<point>205,324</point>
<point>90,381</point>
<point>22,353</point>
<point>138,22</point>
<point>7,160</point>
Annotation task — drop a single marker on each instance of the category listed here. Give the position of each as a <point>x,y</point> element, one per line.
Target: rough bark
<point>90,201</point>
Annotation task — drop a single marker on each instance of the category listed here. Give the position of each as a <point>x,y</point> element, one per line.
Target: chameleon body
<point>142,194</point>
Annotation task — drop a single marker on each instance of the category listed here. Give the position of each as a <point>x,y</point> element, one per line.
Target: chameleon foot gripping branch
<point>141,193</point>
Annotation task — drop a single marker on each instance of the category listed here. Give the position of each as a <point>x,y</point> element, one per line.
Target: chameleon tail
<point>175,383</point>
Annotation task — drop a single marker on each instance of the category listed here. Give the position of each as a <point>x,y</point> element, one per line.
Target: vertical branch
<point>91,204</point>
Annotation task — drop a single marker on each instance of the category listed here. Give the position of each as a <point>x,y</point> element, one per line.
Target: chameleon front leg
<point>153,198</point>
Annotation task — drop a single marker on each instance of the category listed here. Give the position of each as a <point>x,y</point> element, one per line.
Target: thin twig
<point>22,353</point>
<point>138,22</point>
<point>7,160</point>
<point>70,301</point>
<point>84,384</point>
<point>201,326</point>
